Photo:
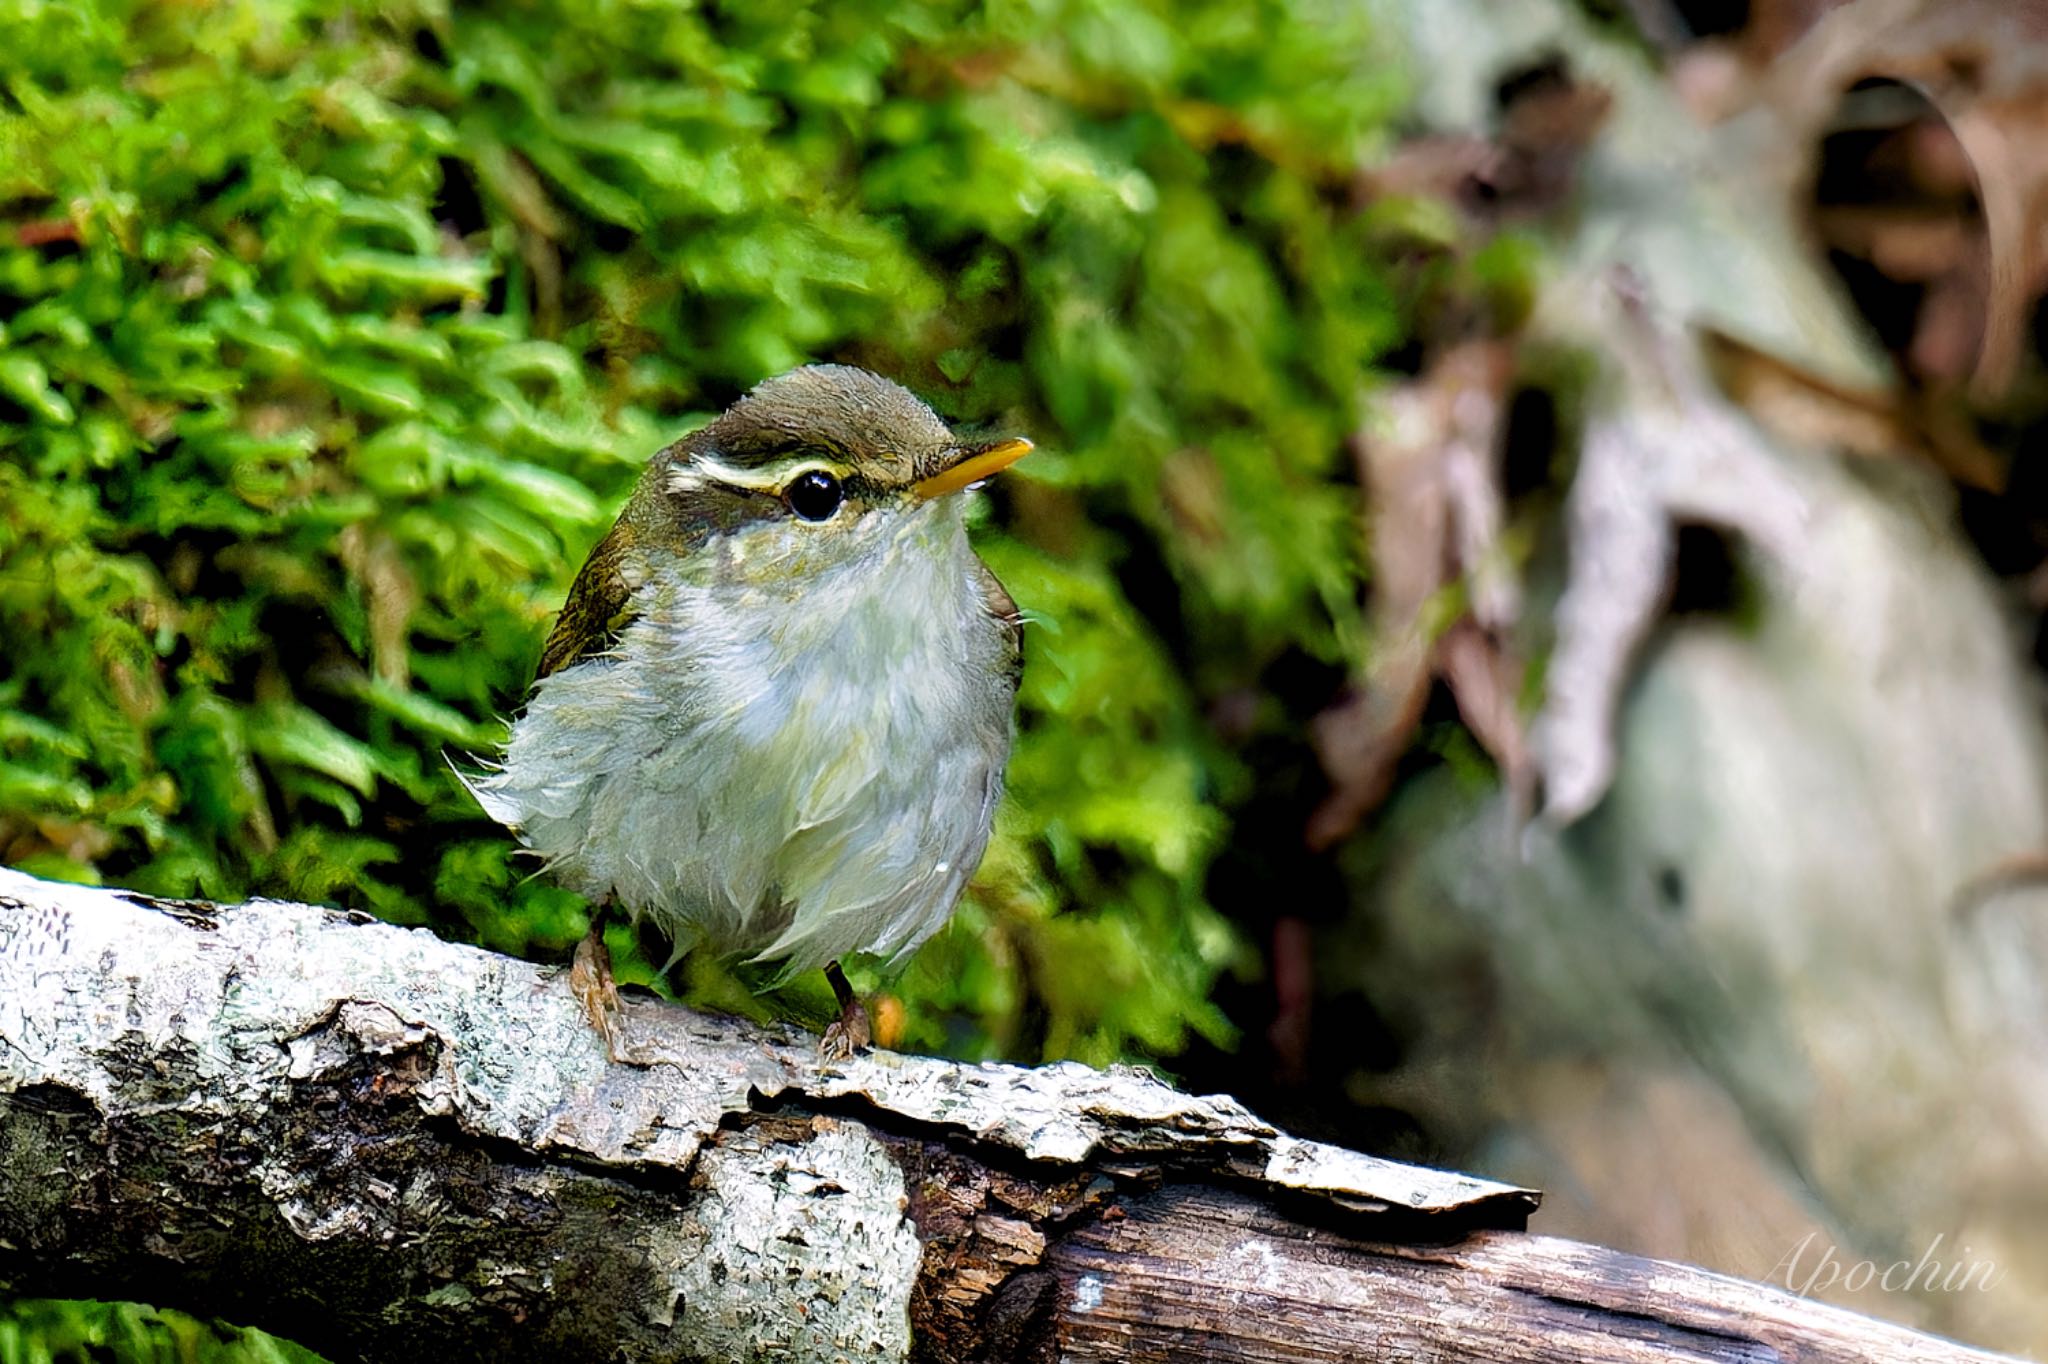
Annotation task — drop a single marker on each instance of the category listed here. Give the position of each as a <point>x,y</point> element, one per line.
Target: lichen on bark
<point>391,1146</point>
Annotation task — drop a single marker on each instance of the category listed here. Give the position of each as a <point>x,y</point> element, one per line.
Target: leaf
<point>378,390</point>
<point>289,734</point>
<point>427,276</point>
<point>24,379</point>
<point>1982,64</point>
<point>430,717</point>
<point>25,788</point>
<point>1433,488</point>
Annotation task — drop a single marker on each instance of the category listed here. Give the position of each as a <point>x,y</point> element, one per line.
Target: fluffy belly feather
<point>786,775</point>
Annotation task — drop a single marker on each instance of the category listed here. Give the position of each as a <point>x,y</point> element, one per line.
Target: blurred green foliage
<point>85,1333</point>
<point>331,335</point>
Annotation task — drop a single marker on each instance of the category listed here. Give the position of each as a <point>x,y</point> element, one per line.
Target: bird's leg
<point>590,980</point>
<point>850,1033</point>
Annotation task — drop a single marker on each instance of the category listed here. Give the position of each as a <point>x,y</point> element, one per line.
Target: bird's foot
<point>590,980</point>
<point>851,1033</point>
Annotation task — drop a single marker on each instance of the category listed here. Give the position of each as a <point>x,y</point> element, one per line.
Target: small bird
<point>773,714</point>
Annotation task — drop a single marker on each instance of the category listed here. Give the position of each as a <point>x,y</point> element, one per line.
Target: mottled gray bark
<point>396,1148</point>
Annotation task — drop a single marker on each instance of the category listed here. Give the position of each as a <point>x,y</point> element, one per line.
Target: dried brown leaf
<point>1486,679</point>
<point>1432,483</point>
<point>1808,409</point>
<point>1984,65</point>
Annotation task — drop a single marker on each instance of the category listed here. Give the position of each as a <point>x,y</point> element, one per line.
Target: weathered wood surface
<point>396,1148</point>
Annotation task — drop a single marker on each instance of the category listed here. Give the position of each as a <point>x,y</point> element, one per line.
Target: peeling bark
<point>390,1147</point>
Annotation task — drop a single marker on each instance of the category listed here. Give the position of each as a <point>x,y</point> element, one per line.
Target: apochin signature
<point>1928,1274</point>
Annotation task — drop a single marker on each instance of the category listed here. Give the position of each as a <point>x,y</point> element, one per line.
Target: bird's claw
<point>850,1033</point>
<point>846,1036</point>
<point>590,980</point>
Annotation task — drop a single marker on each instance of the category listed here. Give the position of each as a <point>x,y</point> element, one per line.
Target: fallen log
<point>391,1147</point>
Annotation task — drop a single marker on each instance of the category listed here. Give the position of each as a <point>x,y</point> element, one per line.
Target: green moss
<point>333,334</point>
<point>85,1332</point>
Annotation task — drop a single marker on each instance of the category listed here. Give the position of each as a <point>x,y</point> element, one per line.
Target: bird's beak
<point>971,464</point>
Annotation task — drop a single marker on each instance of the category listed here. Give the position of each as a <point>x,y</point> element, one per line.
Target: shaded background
<point>1533,563</point>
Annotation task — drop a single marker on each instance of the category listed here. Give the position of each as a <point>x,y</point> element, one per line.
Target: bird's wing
<point>1003,607</point>
<point>598,608</point>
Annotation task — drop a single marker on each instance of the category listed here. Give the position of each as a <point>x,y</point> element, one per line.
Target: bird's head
<point>816,475</point>
<point>814,466</point>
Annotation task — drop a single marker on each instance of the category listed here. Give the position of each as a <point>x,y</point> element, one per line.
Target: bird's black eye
<point>814,495</point>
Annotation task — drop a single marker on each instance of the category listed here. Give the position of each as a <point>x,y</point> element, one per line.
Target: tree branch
<point>391,1147</point>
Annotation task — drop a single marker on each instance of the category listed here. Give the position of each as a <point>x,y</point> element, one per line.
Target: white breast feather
<point>799,774</point>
